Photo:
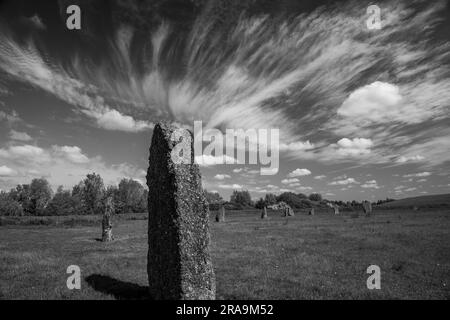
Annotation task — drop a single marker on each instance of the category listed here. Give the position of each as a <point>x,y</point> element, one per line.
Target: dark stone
<point>179,263</point>
<point>264,213</point>
<point>367,207</point>
<point>220,216</point>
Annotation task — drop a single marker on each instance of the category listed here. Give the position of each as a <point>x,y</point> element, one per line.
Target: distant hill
<point>431,201</point>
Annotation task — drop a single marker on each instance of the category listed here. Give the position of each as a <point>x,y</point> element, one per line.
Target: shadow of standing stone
<point>179,264</point>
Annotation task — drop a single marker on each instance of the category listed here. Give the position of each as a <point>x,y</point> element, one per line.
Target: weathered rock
<point>284,207</point>
<point>311,212</point>
<point>179,262</point>
<point>107,235</point>
<point>367,207</point>
<point>335,209</point>
<point>264,213</point>
<point>290,211</point>
<point>220,215</point>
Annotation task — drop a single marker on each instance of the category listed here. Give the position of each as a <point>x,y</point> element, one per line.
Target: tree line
<point>241,199</point>
<point>85,198</point>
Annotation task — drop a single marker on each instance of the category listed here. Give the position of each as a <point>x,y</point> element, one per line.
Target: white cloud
<point>320,177</point>
<point>24,153</point>
<point>372,184</point>
<point>230,186</point>
<point>343,182</point>
<point>303,188</point>
<point>7,172</point>
<point>209,160</point>
<point>10,118</point>
<point>417,175</point>
<point>299,173</point>
<point>221,176</point>
<point>37,22</point>
<point>296,146</point>
<point>73,154</point>
<point>19,136</point>
<point>61,165</point>
<point>296,184</point>
<point>376,102</point>
<point>288,181</point>
<point>114,120</point>
<point>415,158</point>
<point>354,147</point>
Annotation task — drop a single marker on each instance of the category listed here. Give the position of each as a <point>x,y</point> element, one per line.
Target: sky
<point>362,113</point>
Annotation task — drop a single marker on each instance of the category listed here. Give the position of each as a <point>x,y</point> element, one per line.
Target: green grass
<point>301,257</point>
<point>431,201</point>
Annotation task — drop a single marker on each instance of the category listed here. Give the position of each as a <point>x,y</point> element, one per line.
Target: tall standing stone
<point>311,212</point>
<point>264,213</point>
<point>107,235</point>
<point>220,215</point>
<point>336,209</point>
<point>367,207</point>
<point>179,264</point>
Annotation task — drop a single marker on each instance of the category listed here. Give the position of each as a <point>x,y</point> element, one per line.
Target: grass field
<point>301,257</point>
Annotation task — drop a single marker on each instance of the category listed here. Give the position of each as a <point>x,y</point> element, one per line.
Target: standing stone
<point>264,213</point>
<point>367,207</point>
<point>178,263</point>
<point>106,221</point>
<point>220,216</point>
<point>311,211</point>
<point>290,211</point>
<point>336,209</point>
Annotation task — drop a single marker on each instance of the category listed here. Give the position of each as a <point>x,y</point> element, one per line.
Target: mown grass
<point>301,257</point>
<point>66,221</point>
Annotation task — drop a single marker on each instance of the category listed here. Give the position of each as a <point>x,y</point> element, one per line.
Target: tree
<point>9,206</point>
<point>315,197</point>
<point>131,197</point>
<point>22,195</point>
<point>93,192</point>
<point>62,203</point>
<point>260,204</point>
<point>241,197</point>
<point>78,199</point>
<point>214,199</point>
<point>270,199</point>
<point>40,195</point>
<point>293,200</point>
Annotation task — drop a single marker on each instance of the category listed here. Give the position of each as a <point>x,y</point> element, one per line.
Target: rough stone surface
<point>311,211</point>
<point>179,263</point>
<point>220,215</point>
<point>107,235</point>
<point>264,213</point>
<point>334,207</point>
<point>284,207</point>
<point>367,207</point>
